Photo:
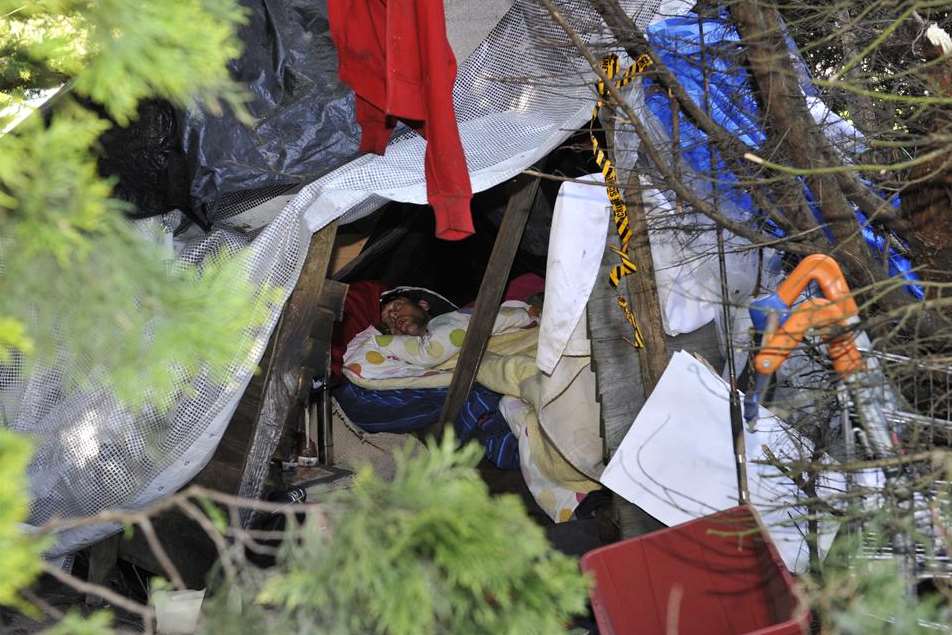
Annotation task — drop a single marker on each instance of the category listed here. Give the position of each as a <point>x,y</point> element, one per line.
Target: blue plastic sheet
<point>732,104</point>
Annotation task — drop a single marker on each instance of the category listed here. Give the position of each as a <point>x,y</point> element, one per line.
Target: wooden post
<point>625,380</point>
<point>317,364</point>
<point>640,286</point>
<point>524,189</point>
<point>282,373</point>
<point>643,288</point>
<point>267,401</point>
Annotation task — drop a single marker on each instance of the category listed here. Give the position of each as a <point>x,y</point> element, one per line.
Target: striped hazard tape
<point>625,265</point>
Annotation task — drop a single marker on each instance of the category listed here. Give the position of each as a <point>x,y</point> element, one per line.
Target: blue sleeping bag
<point>410,409</point>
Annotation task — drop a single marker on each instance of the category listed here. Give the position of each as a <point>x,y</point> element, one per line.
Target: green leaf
<point>13,336</point>
<point>215,514</point>
<point>19,552</point>
<point>430,552</point>
<point>74,623</point>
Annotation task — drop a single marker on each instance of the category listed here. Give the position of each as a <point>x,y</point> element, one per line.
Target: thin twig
<point>555,177</point>
<point>859,466</point>
<point>679,188</point>
<point>195,491</point>
<point>145,612</point>
<point>42,604</point>
<point>159,551</point>
<point>221,545</point>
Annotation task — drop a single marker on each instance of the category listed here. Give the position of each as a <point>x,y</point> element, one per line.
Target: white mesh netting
<point>519,95</point>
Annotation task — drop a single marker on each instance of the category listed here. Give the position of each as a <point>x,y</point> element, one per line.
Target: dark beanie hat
<point>438,304</point>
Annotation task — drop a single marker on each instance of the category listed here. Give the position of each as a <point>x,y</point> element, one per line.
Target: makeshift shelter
<point>94,454</point>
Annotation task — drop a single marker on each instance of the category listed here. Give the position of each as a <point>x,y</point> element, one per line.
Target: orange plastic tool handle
<point>825,271</point>
<point>816,313</point>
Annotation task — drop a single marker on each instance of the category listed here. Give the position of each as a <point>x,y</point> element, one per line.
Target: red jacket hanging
<point>395,55</point>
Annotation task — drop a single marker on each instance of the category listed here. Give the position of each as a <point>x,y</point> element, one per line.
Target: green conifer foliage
<point>79,287</point>
<point>430,552</point>
<point>19,553</point>
<point>77,283</point>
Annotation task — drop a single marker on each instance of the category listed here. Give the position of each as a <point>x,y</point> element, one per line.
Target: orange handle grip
<point>816,313</point>
<point>825,271</point>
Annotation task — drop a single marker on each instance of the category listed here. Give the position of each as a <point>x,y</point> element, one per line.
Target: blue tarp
<point>732,105</point>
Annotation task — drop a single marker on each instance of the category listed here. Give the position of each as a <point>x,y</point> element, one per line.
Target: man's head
<point>402,315</point>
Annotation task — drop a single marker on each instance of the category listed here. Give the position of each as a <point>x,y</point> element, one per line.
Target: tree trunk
<point>787,118</point>
<point>862,109</point>
<point>927,200</point>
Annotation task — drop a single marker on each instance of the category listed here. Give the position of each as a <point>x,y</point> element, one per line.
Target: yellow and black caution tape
<point>619,210</point>
<point>630,318</point>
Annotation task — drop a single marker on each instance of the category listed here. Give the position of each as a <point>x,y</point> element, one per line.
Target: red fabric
<point>395,55</point>
<point>524,286</point>
<point>361,309</point>
<point>520,288</point>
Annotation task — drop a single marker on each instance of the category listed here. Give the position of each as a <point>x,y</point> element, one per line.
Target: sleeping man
<point>399,372</point>
<point>415,337</point>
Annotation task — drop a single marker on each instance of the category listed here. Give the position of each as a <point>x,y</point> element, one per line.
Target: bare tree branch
<point>654,155</point>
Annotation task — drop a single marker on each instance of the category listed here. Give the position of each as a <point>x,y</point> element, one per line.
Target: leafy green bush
<point>77,283</point>
<point>430,552</point>
<point>19,552</point>
<point>71,268</point>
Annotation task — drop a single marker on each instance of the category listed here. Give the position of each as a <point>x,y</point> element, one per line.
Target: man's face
<point>404,317</point>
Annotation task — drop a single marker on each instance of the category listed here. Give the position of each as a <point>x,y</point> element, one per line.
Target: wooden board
<point>345,250</point>
<point>642,288</point>
<point>267,401</point>
<point>618,375</point>
<point>615,361</point>
<point>523,191</point>
<point>267,411</point>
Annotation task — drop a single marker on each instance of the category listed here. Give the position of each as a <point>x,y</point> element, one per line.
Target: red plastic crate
<point>731,580</point>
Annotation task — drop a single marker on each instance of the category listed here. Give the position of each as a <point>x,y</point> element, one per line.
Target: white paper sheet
<point>677,463</point>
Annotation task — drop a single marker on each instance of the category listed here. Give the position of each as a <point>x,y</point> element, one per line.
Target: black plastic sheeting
<point>146,159</point>
<point>206,165</point>
<point>304,116</point>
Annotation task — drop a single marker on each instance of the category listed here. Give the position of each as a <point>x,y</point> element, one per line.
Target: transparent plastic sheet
<point>93,454</point>
<point>518,96</point>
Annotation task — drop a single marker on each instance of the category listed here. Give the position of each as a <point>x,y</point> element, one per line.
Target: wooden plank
<point>317,365</point>
<point>618,381</point>
<point>642,288</point>
<point>266,403</point>
<point>615,361</point>
<point>618,376</point>
<point>284,368</point>
<point>345,251</point>
<point>523,192</point>
<point>333,296</point>
<point>102,560</point>
<point>380,246</point>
